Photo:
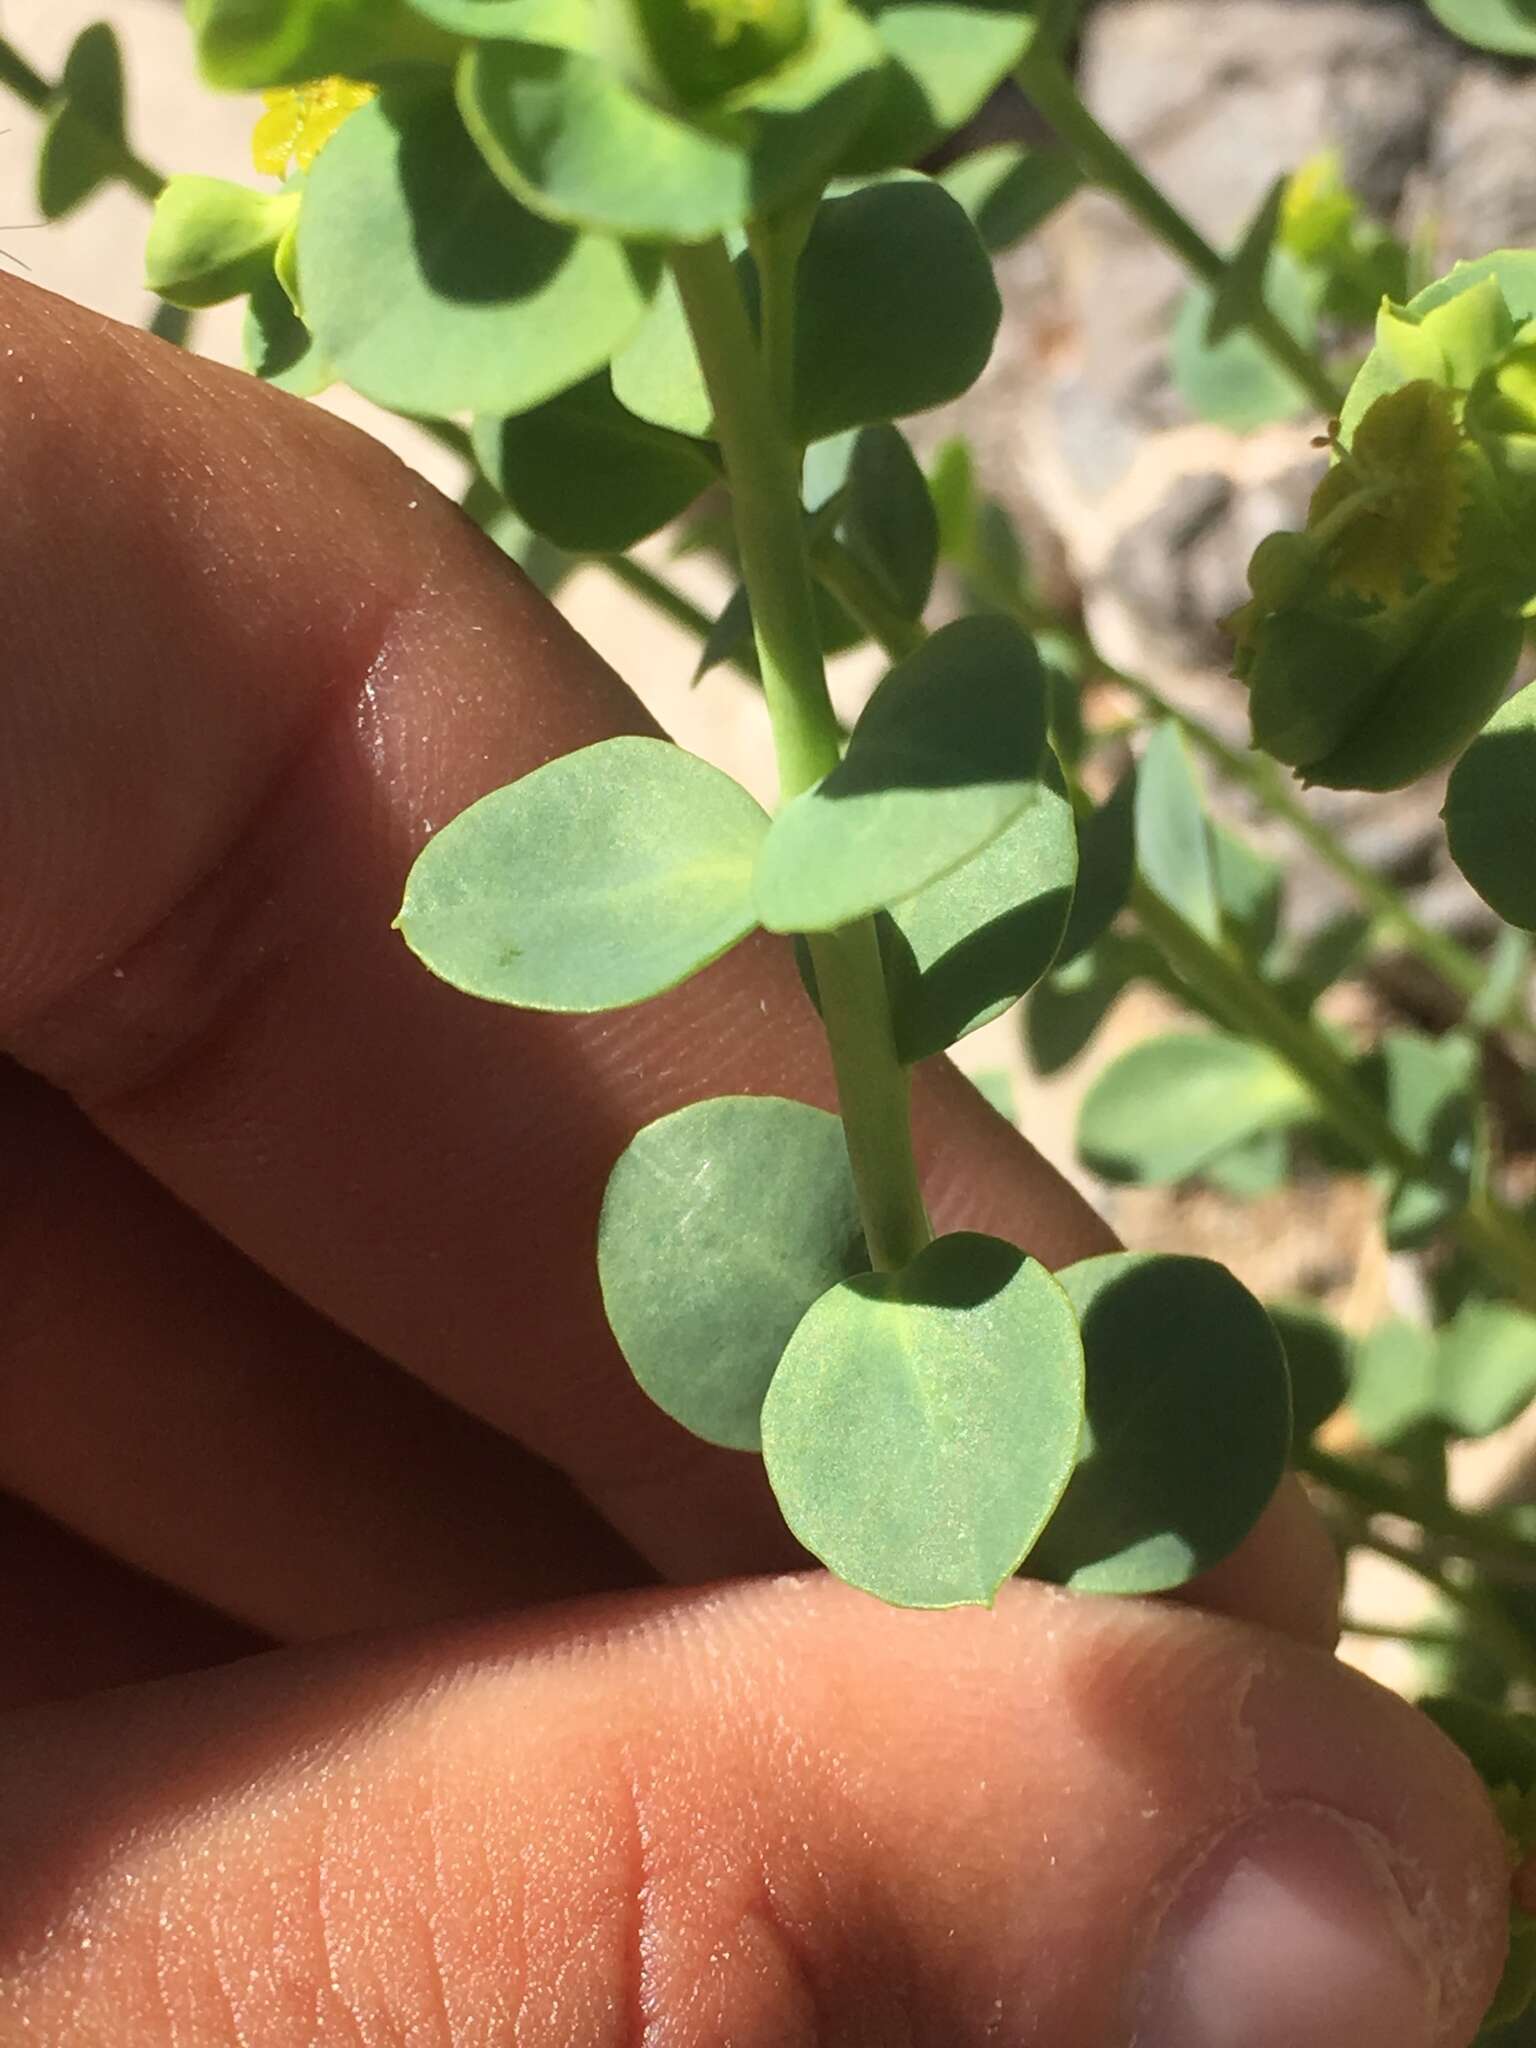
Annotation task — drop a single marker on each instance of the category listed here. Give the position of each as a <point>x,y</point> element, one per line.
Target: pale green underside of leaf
<point>921,1426</point>
<point>722,1224</point>
<point>599,880</point>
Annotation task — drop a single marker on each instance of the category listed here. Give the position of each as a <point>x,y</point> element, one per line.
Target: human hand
<point>299,1320</point>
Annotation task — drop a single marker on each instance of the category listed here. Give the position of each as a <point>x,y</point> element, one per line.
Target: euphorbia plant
<point>632,258</point>
<point>647,248</point>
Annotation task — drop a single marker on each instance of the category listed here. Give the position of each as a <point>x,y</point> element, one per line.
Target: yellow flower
<point>1391,507</point>
<point>300,120</point>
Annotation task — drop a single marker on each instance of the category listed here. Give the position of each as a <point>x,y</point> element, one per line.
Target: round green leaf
<point>972,943</point>
<point>721,1226</point>
<point>1166,1107</point>
<point>922,1425</point>
<point>1172,836</point>
<point>656,375</point>
<point>875,339</point>
<point>568,133</point>
<point>1485,1366</point>
<point>1237,383</point>
<point>888,520</point>
<point>84,138</point>
<point>1106,867</point>
<point>1188,1424</point>
<point>1426,1088</point>
<point>1008,190</point>
<point>1508,26</point>
<point>243,45</point>
<point>600,879</point>
<point>1393,1393</point>
<point>1319,1355</point>
<point>583,471</point>
<point>431,291</point>
<point>878,337</point>
<point>1490,811</point>
<point>959,952</point>
<point>946,755</point>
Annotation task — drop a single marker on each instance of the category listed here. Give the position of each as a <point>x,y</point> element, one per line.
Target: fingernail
<point>1290,1933</point>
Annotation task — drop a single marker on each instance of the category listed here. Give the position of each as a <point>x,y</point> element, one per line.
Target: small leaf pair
<point>918,1427</point>
<point>616,872</point>
<point>922,1428</point>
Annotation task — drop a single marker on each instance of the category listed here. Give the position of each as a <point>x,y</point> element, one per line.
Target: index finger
<point>253,663</point>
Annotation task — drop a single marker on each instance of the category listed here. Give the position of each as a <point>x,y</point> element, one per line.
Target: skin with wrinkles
<point>299,1338</point>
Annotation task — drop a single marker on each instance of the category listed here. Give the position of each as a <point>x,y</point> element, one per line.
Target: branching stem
<point>1045,81</point>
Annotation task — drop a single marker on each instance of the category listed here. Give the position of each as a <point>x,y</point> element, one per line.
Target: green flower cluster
<point>1380,639</point>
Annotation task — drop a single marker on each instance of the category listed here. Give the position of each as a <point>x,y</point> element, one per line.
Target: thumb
<point>760,1816</point>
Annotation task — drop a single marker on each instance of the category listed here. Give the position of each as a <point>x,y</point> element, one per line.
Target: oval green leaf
<point>1009,190</point>
<point>84,140</point>
<point>1485,1366</point>
<point>888,520</point>
<point>431,291</point>
<point>588,475</point>
<point>1173,839</point>
<point>1320,1357</point>
<point>1162,1110</point>
<point>961,951</point>
<point>1188,1424</point>
<point>1237,383</point>
<point>972,943</point>
<point>880,335</point>
<point>600,879</point>
<point>875,339</point>
<point>946,755</point>
<point>1106,867</point>
<point>922,1425</point>
<point>1490,811</point>
<point>1426,1088</point>
<point>723,1223</point>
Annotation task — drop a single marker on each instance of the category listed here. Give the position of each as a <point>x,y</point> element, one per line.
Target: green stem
<point>750,398</point>
<point>1488,1624</point>
<point>1247,1005</point>
<point>671,602</point>
<point>1046,82</point>
<point>873,1092</point>
<point>763,470</point>
<point>17,76</point>
<point>1483,1538</point>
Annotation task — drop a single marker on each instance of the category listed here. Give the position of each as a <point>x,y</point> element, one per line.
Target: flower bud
<point>212,240</point>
